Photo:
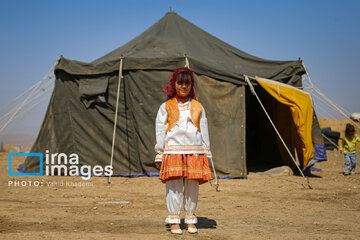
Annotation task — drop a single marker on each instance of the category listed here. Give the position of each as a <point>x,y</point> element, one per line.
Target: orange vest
<point>173,112</point>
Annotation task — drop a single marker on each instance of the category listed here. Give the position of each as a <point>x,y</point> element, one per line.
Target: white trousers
<point>177,191</point>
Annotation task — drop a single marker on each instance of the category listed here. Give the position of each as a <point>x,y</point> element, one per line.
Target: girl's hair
<point>180,75</point>
<point>183,77</point>
<point>349,128</point>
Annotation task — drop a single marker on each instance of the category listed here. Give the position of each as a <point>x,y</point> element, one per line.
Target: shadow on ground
<point>203,223</point>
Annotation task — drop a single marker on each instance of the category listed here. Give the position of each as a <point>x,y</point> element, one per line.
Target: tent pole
<point>187,65</point>
<point>116,114</point>
<point>277,132</point>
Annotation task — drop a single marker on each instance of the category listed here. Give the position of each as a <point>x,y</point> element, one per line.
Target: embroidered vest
<point>173,112</point>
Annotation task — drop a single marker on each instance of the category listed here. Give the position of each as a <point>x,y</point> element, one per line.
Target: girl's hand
<point>158,165</point>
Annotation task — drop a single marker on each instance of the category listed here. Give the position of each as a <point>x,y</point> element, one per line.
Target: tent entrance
<point>263,147</point>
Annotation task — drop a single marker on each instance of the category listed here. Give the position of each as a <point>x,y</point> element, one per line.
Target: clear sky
<point>324,33</point>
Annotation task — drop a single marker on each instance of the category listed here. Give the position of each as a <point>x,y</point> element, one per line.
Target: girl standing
<point>183,148</point>
<point>348,146</point>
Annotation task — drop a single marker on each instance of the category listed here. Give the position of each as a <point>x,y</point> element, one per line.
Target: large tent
<point>241,137</point>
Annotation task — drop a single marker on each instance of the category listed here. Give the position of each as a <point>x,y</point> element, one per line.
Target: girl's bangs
<point>183,77</point>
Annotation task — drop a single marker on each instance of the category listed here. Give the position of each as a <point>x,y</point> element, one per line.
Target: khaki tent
<point>80,116</point>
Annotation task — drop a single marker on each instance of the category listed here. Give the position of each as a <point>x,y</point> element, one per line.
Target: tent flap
<point>299,103</point>
<point>93,87</point>
<point>89,89</point>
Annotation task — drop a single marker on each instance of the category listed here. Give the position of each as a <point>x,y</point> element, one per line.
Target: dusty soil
<point>260,207</point>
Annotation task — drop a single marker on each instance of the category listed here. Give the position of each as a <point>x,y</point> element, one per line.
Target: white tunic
<point>184,137</point>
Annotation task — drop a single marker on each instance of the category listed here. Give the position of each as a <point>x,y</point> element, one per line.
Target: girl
<point>348,146</point>
<point>182,146</point>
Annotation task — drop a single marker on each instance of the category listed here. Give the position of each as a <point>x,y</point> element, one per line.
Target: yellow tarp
<point>299,103</point>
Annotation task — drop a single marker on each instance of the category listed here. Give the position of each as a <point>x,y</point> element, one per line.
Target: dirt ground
<point>259,207</point>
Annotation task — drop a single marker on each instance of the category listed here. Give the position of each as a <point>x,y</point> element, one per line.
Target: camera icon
<point>15,153</point>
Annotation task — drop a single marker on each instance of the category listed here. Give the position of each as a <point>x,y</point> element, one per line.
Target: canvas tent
<point>241,137</point>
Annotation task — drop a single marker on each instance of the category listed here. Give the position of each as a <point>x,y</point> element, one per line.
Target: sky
<point>325,34</point>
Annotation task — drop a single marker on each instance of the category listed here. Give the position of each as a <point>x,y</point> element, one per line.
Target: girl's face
<point>350,134</point>
<point>182,88</point>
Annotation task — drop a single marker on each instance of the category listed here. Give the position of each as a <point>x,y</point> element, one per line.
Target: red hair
<point>170,90</point>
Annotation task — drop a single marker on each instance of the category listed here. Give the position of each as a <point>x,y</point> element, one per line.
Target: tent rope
<point>43,89</point>
<point>318,107</point>
<point>322,100</point>
<point>116,115</point>
<point>272,123</point>
<point>34,90</point>
<point>22,94</point>
<point>27,103</point>
<point>333,104</point>
<point>329,102</point>
<point>25,113</point>
<point>337,147</point>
